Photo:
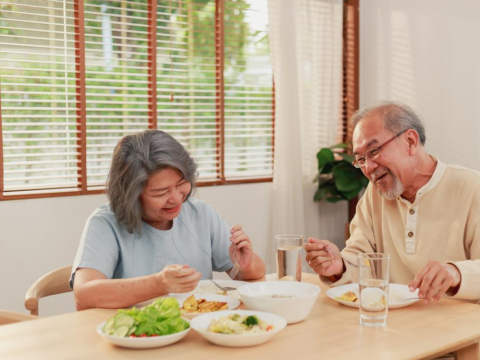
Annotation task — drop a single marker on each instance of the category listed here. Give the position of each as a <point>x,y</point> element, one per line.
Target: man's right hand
<point>178,279</point>
<point>324,257</point>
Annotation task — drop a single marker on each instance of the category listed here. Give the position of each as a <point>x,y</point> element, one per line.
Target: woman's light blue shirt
<point>199,237</point>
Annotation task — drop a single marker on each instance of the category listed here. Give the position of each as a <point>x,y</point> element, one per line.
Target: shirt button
<point>412,211</point>
<point>410,234</point>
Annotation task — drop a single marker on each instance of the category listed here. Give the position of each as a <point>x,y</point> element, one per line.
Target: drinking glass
<point>374,272</point>
<point>289,257</point>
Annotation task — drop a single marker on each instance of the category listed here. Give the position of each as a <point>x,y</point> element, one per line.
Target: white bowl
<point>143,342</point>
<point>201,323</point>
<point>258,296</point>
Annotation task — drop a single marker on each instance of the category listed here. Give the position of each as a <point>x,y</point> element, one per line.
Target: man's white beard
<point>395,191</point>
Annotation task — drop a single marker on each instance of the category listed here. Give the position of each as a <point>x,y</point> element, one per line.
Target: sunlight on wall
<point>425,54</point>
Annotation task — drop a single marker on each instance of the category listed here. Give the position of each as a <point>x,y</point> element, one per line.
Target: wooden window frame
<point>351,76</point>
<point>152,104</point>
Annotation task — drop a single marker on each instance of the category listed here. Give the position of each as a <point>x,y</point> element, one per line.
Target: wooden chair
<point>55,282</point>
<point>10,317</point>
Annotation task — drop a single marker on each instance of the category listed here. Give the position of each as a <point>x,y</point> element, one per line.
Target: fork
<point>224,288</point>
<point>349,262</point>
<point>328,251</point>
<point>236,266</point>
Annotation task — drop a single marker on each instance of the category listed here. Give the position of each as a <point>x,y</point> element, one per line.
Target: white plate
<point>207,287</point>
<point>397,292</point>
<point>144,342</point>
<point>231,302</point>
<point>201,323</point>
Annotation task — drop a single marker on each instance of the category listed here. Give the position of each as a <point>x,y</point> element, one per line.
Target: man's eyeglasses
<point>373,153</point>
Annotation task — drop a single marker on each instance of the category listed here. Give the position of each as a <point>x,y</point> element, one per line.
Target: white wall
<point>427,54</point>
<point>37,236</point>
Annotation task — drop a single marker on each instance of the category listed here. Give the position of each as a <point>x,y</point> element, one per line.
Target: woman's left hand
<point>243,245</point>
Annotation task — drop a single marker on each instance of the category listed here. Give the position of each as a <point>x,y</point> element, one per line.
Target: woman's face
<point>163,197</point>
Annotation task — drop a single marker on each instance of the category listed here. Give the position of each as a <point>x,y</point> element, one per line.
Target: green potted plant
<point>337,178</point>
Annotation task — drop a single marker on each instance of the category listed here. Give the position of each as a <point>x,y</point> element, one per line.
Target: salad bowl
<point>142,342</point>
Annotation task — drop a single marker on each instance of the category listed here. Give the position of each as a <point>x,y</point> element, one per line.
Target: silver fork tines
<point>236,266</point>
<point>224,288</point>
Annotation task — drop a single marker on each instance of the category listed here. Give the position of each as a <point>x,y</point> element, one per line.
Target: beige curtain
<point>306,48</point>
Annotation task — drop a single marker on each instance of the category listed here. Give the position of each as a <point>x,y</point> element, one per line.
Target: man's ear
<point>413,141</point>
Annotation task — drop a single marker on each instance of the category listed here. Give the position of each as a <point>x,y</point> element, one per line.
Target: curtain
<point>306,50</point>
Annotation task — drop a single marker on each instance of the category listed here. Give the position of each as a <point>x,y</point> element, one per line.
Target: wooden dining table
<point>331,331</point>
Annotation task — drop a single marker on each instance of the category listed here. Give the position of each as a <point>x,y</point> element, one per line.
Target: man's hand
<point>324,257</point>
<point>434,280</point>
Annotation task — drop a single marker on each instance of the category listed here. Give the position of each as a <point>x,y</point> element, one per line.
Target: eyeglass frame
<point>368,153</point>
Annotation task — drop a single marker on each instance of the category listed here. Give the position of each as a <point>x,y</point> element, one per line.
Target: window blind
<point>248,91</point>
<point>38,96</point>
<point>116,76</point>
<point>76,76</point>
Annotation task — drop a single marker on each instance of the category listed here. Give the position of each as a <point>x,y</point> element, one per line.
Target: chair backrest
<point>55,282</point>
<point>10,317</point>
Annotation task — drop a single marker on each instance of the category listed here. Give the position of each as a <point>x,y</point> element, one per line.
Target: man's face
<point>386,169</point>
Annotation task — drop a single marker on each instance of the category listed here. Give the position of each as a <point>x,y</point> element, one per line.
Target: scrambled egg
<point>349,296</point>
<point>192,305</point>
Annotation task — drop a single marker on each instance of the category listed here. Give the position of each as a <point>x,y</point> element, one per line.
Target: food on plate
<point>209,288</point>
<point>192,305</point>
<point>349,296</point>
<point>162,317</point>
<point>238,324</point>
<point>373,298</point>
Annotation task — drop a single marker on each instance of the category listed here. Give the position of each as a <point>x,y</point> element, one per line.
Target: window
<point>76,76</point>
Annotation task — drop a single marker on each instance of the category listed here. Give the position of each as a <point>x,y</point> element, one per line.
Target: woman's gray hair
<point>135,159</point>
<point>396,117</point>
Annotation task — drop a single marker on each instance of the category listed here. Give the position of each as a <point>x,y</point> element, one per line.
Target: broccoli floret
<point>251,320</point>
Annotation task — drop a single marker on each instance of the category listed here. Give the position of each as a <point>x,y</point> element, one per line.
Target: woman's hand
<point>178,279</point>
<point>251,266</point>
<point>243,245</point>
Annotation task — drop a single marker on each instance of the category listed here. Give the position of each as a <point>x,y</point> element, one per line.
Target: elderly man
<point>425,214</point>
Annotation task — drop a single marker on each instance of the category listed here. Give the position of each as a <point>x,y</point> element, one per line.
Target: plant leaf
<point>346,177</point>
<point>339,146</point>
<point>324,190</point>
<point>324,156</point>
<point>335,199</point>
<point>351,194</point>
<point>347,157</point>
<point>327,169</point>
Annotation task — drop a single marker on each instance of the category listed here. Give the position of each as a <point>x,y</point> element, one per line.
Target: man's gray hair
<point>135,159</point>
<point>396,117</point>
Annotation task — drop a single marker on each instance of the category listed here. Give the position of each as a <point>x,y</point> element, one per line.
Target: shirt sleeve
<point>362,240</point>
<point>470,269</point>
<point>98,248</point>
<point>220,241</point>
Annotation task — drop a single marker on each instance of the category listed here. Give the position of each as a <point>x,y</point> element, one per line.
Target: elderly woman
<point>152,239</point>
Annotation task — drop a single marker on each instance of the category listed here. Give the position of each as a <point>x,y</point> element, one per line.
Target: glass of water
<point>374,272</point>
<point>289,257</point>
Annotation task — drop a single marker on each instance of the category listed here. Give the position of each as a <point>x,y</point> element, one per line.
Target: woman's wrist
<point>160,284</point>
<point>255,271</point>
